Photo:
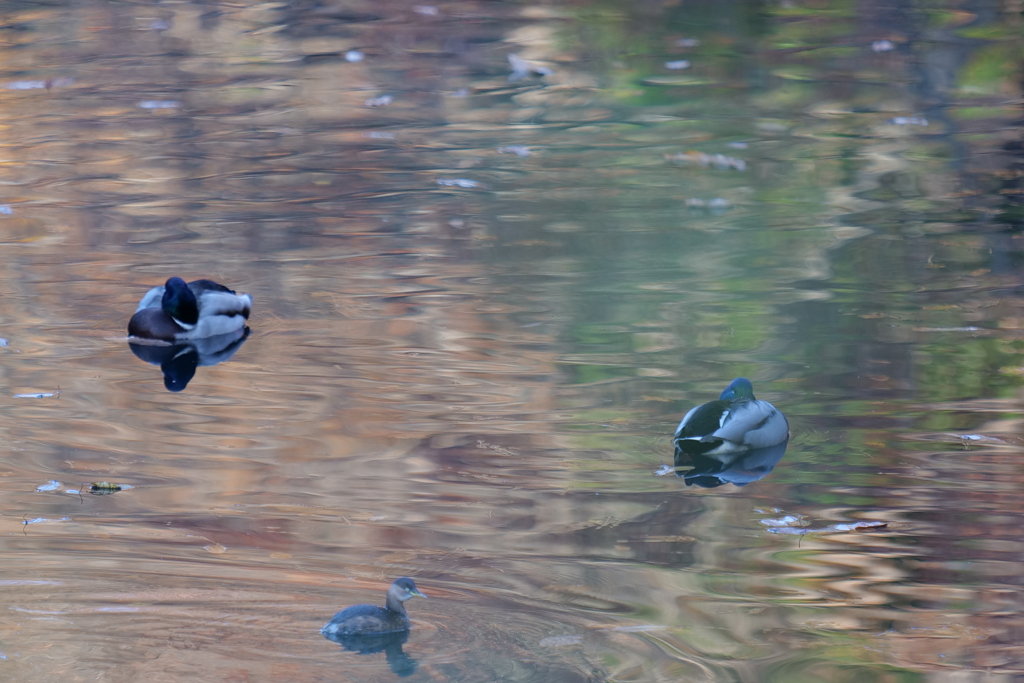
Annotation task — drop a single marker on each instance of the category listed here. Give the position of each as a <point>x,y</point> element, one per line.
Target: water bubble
<point>909,121</point>
<point>518,150</point>
<point>39,85</point>
<point>159,104</point>
<point>457,182</point>
<point>26,85</point>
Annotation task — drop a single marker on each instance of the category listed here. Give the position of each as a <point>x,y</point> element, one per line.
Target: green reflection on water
<point>475,384</point>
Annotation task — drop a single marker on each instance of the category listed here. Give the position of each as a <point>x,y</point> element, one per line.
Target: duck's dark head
<point>179,302</point>
<point>405,588</point>
<point>738,389</point>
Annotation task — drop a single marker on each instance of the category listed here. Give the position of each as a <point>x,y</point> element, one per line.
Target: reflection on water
<point>178,362</point>
<point>484,303</point>
<point>400,663</point>
<point>739,469</point>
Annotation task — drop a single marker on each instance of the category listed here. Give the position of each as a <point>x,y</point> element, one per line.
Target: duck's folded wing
<point>702,420</point>
<point>200,286</point>
<point>756,424</point>
<point>214,302</point>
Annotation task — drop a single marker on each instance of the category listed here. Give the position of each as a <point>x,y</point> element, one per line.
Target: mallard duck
<point>369,619</point>
<point>735,423</point>
<point>180,312</point>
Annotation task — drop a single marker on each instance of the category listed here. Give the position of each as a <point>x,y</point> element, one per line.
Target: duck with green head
<point>735,423</point>
<point>181,311</point>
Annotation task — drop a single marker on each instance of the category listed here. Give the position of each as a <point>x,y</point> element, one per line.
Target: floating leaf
<point>676,80</point>
<point>45,395</point>
<point>857,526</point>
<point>521,68</point>
<point>788,520</point>
<point>719,161</point>
<point>831,529</point>
<point>43,520</point>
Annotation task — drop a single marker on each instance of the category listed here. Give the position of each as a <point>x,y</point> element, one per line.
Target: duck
<point>734,424</point>
<point>180,311</point>
<point>371,619</point>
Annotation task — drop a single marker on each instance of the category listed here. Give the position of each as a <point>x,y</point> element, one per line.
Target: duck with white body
<point>736,423</point>
<point>180,311</point>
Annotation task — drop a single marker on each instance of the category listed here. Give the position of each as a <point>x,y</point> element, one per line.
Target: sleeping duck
<point>180,312</point>
<point>735,423</point>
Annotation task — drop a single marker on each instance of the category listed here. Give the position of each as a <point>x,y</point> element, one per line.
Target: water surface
<point>481,306</point>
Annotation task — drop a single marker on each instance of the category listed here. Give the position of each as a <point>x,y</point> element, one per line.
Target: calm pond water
<point>486,288</point>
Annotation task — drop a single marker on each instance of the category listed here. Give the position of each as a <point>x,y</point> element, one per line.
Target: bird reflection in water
<point>179,361</point>
<point>390,644</point>
<point>738,468</point>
